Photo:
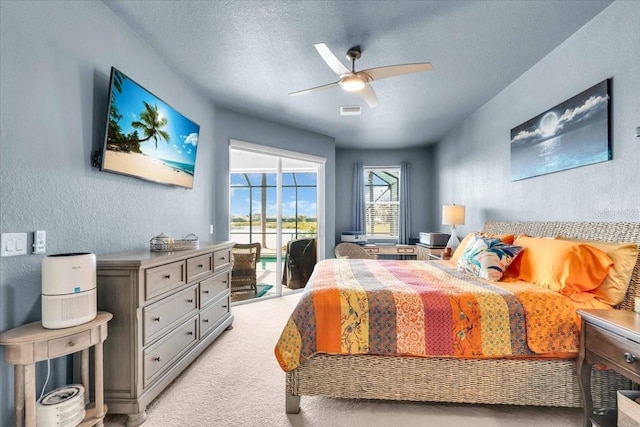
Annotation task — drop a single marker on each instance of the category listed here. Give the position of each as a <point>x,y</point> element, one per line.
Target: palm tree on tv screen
<point>150,124</point>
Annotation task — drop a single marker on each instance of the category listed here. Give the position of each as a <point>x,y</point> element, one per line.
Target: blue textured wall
<point>474,160</point>
<point>56,60</point>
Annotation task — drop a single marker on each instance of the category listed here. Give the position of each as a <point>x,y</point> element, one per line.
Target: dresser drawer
<point>62,346</point>
<point>221,258</point>
<point>199,267</point>
<point>406,250</point>
<point>210,316</point>
<point>162,279</point>
<point>162,354</point>
<point>613,347</point>
<point>213,287</point>
<point>163,314</point>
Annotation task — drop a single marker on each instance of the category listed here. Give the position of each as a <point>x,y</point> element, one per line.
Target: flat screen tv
<point>146,138</point>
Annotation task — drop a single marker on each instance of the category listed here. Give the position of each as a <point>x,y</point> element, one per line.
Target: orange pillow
<point>505,238</point>
<point>624,256</point>
<point>560,265</point>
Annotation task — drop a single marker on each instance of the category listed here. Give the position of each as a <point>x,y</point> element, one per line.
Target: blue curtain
<point>404,231</point>
<point>358,219</point>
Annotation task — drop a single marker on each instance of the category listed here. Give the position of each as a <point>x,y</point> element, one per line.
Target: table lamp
<point>453,215</point>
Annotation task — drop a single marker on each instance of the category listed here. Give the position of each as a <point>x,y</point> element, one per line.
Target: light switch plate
<point>12,244</point>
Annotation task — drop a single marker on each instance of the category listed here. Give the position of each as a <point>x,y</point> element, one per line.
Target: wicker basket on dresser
<point>167,308</point>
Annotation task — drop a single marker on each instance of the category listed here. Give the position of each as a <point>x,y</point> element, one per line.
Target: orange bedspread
<point>422,308</point>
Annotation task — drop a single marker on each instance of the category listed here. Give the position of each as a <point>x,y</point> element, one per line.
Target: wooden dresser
<point>167,308</point>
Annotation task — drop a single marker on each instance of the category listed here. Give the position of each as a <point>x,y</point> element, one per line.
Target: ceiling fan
<point>358,81</point>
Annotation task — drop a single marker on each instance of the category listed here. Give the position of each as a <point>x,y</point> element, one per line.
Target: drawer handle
<point>224,306</point>
<point>223,258</point>
<point>630,358</point>
<point>205,320</point>
<point>157,319</point>
<point>190,300</point>
<point>224,281</point>
<point>167,276</point>
<point>71,343</point>
<point>157,359</point>
<point>190,333</point>
<point>206,292</point>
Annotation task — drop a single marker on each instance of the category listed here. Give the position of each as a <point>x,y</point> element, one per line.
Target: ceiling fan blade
<point>331,59</point>
<point>368,95</point>
<point>315,89</point>
<point>397,70</point>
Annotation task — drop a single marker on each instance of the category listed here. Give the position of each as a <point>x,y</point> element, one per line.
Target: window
<point>382,201</point>
<point>253,207</point>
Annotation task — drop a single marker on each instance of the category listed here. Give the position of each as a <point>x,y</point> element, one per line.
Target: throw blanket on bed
<point>422,308</point>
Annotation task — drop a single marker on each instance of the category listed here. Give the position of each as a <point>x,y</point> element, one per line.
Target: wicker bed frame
<point>532,382</point>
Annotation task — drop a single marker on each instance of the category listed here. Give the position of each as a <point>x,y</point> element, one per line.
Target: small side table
<point>610,337</point>
<point>31,343</point>
<point>425,252</point>
<point>440,256</point>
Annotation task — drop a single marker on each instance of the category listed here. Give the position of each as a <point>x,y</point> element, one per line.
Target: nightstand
<point>31,343</point>
<point>440,256</point>
<point>610,337</point>
<point>425,252</point>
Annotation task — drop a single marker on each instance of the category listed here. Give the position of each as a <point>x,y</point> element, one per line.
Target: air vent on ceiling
<point>354,110</point>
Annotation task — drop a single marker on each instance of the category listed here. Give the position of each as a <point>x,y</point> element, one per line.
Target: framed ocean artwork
<point>572,134</point>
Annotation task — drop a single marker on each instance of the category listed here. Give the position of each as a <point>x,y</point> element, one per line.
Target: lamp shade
<point>453,214</point>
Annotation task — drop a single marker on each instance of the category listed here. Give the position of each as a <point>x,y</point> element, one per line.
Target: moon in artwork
<point>549,123</point>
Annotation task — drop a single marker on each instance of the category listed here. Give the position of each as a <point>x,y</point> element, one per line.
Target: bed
<point>454,374</point>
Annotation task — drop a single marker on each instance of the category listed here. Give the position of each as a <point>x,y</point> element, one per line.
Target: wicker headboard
<point>614,232</point>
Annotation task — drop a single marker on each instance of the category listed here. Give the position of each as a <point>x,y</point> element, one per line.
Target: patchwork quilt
<point>422,308</point>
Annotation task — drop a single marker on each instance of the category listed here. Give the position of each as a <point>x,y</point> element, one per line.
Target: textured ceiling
<point>247,55</point>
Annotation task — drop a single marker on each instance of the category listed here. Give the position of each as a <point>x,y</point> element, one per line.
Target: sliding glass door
<point>274,199</point>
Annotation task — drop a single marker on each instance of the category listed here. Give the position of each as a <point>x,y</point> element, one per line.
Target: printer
<point>434,239</point>
<point>354,237</point>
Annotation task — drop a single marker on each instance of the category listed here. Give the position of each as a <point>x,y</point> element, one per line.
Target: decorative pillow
<point>624,256</point>
<point>487,258</point>
<point>461,247</point>
<point>560,265</point>
<point>505,238</point>
<point>244,261</point>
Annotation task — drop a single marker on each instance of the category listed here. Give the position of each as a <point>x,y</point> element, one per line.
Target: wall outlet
<point>39,242</point>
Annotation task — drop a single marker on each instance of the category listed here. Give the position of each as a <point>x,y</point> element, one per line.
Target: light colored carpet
<point>237,382</point>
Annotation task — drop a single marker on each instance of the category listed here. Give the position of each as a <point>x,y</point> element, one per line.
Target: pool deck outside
<point>266,275</point>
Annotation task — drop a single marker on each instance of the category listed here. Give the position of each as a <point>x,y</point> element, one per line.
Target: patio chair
<point>300,260</point>
<point>244,260</point>
<point>352,250</point>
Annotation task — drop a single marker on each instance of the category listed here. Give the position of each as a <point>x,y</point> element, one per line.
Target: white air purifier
<point>62,407</point>
<point>68,290</point>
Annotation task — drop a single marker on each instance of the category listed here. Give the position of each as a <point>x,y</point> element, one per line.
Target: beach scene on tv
<point>147,138</point>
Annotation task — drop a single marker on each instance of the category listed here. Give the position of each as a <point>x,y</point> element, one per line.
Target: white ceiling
<point>247,55</point>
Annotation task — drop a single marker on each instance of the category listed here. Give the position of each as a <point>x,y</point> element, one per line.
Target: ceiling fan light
<point>352,83</point>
